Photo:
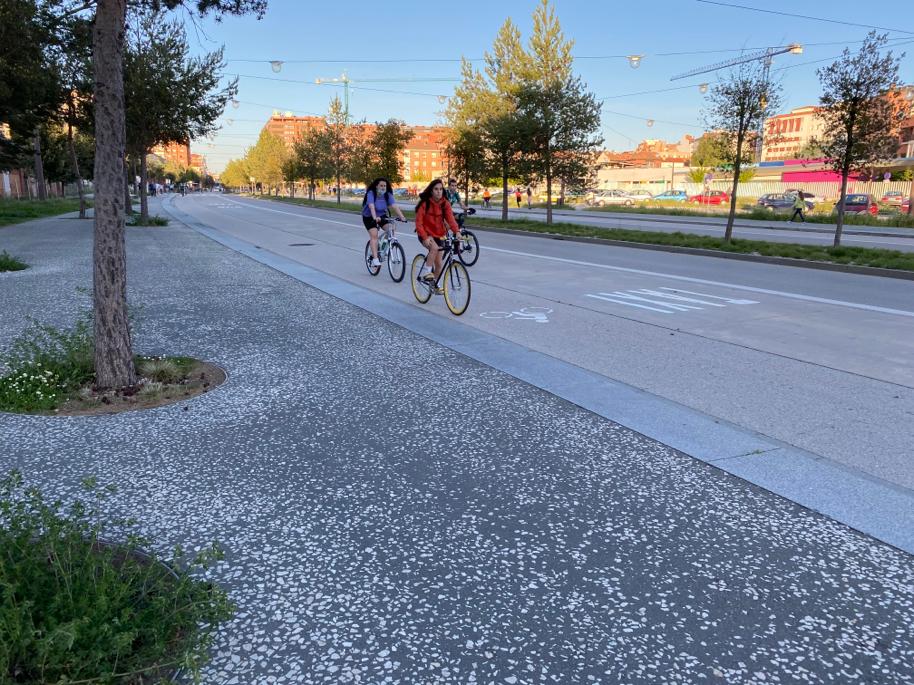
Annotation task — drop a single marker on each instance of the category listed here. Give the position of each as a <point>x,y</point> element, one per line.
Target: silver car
<point>603,198</point>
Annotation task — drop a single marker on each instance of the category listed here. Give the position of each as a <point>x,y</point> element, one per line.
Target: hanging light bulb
<point>442,99</point>
<point>235,103</point>
<point>702,88</point>
<point>229,122</point>
<point>276,65</point>
<point>634,61</point>
<point>650,122</point>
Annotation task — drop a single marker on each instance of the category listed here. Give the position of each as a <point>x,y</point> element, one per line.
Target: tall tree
<point>861,111</point>
<point>339,138</point>
<point>171,97</point>
<point>735,108</point>
<point>388,141</point>
<point>710,152</point>
<point>312,149</point>
<point>291,171</point>
<point>265,160</point>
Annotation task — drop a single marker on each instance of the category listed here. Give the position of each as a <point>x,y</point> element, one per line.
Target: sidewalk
<point>417,517</point>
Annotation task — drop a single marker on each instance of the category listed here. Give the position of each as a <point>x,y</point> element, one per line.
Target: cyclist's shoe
<point>429,277</point>
<point>376,262</point>
<point>439,291</point>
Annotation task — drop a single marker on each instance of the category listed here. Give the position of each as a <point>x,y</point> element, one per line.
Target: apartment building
<point>787,134</point>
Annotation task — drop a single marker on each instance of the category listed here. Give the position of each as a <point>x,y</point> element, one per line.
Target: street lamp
<point>702,88</point>
<point>634,61</point>
<point>276,65</point>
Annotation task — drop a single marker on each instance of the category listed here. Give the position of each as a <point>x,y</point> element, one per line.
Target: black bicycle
<point>469,245</point>
<point>389,249</point>
<point>453,282</point>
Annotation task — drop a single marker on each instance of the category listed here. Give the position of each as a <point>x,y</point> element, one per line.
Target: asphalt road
<point>821,360</point>
<point>773,231</point>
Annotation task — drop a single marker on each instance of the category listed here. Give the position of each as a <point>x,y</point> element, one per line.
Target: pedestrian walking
<point>517,196</point>
<point>486,196</point>
<point>529,197</point>
<point>799,204</point>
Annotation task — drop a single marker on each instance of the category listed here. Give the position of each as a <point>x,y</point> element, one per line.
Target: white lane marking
<point>689,279</point>
<point>731,300</point>
<point>670,296</point>
<point>300,216</point>
<point>623,295</point>
<point>630,304</point>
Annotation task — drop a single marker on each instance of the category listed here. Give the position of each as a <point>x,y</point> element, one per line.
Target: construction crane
<point>765,56</point>
<point>346,80</point>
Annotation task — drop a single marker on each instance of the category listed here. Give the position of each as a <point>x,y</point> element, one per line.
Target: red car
<point>859,203</point>
<point>712,197</point>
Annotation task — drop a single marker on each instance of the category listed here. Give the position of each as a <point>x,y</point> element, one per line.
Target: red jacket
<point>430,219</point>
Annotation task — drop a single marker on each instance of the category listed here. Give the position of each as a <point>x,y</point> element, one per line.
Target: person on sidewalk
<point>799,204</point>
<point>529,197</point>
<point>378,199</point>
<point>486,196</point>
<point>433,218</point>
<point>517,196</point>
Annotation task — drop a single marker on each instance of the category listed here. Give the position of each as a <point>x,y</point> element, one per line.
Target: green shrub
<point>76,609</point>
<point>44,363</point>
<point>155,220</point>
<point>9,263</point>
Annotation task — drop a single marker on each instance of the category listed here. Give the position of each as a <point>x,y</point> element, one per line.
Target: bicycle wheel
<point>469,248</point>
<point>373,270</point>
<point>396,262</point>
<point>421,290</point>
<point>457,288</point>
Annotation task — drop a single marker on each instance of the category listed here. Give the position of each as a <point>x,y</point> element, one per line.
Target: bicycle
<point>456,288</point>
<point>469,247</point>
<point>390,249</point>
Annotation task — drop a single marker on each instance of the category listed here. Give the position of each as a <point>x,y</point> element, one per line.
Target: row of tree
<point>861,108</point>
<point>335,151</point>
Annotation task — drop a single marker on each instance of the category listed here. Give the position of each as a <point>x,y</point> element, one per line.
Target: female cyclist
<point>432,212</point>
<point>378,200</point>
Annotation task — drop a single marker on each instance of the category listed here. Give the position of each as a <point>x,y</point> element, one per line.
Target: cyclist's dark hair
<point>426,195</point>
<point>373,188</point>
<point>451,180</point>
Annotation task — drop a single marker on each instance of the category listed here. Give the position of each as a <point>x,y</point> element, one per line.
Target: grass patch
<point>154,220</point>
<point>17,211</point>
<point>77,609</point>
<point>858,256</point>
<point>9,263</point>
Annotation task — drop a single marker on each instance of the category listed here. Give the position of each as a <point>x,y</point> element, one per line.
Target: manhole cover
<point>301,244</point>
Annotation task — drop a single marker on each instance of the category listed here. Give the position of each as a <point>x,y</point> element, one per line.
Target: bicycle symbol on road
<point>537,314</point>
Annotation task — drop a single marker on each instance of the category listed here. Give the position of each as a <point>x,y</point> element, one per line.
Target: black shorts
<point>371,223</point>
<point>438,241</point>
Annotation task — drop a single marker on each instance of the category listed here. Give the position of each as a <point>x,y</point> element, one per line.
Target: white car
<point>640,195</point>
<point>602,198</point>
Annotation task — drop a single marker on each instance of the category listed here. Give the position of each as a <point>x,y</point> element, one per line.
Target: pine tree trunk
<point>548,161</point>
<point>845,172</point>
<point>731,215</point>
<point>144,198</point>
<point>39,168</point>
<point>113,350</point>
<point>74,162</point>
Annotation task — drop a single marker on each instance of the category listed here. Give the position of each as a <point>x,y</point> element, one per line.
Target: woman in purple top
<point>378,201</point>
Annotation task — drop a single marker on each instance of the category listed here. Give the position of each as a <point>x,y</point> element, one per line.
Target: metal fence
<point>830,190</point>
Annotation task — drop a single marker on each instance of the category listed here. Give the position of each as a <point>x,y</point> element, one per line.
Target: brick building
<point>176,153</point>
<point>198,163</point>
<point>287,127</point>
<point>787,134</point>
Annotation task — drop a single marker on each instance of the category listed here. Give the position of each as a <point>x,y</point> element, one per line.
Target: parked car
<point>893,198</point>
<point>602,198</point>
<point>859,203</point>
<point>673,195</point>
<point>780,202</point>
<point>712,197</point>
<point>905,204</point>
<point>809,197</point>
<point>640,195</point>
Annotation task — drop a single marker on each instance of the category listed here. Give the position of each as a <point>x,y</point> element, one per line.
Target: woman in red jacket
<point>433,217</point>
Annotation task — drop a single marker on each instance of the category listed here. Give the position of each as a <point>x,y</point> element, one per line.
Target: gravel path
<point>394,512</point>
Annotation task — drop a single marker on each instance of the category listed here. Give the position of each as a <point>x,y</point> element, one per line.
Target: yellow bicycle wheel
<point>457,288</point>
<point>421,289</point>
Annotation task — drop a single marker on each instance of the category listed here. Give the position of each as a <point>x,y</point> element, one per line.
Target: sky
<point>421,45</point>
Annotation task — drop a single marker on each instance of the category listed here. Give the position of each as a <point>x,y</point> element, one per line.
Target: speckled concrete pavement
<point>394,512</point>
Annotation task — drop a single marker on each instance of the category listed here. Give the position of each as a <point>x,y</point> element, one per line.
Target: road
<point>773,231</point>
<point>820,360</point>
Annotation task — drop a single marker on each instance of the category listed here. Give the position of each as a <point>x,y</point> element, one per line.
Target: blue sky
<point>322,39</point>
